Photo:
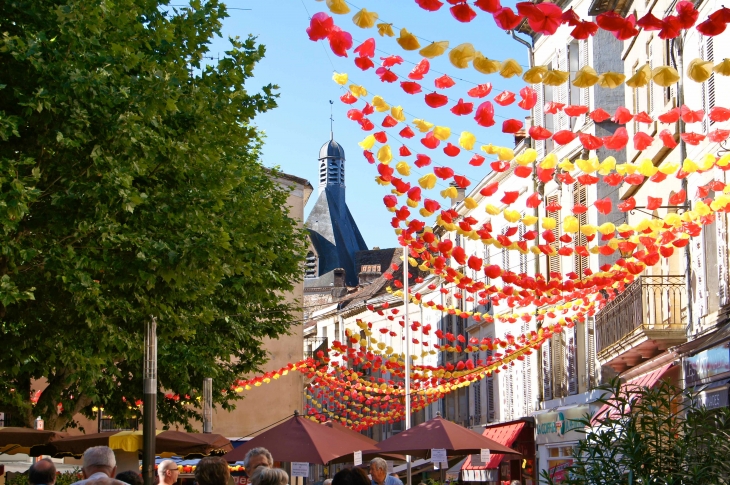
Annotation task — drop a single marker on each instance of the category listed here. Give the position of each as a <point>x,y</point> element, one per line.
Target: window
<point>590,344</point>
<point>707,52</point>
<point>580,197</point>
<point>574,64</point>
<point>571,353</point>
<point>477,388</point>
<point>670,92</point>
<point>538,115</point>
<point>635,98</point>
<point>490,393</point>
<point>547,371</point>
<point>559,458</point>
<point>523,256</point>
<point>527,375</point>
<point>554,261</point>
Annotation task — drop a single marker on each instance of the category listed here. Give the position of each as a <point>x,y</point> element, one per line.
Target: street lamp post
<point>150,401</point>
<point>407,363</point>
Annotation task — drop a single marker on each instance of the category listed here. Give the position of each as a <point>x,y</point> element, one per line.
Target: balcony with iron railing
<point>312,345</point>
<point>646,319</point>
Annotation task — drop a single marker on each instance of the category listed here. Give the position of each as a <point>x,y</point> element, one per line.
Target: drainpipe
<point>678,55</point>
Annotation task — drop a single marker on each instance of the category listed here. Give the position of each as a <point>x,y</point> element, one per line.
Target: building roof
<point>331,149</point>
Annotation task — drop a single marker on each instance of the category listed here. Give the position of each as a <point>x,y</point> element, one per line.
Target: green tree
<point>130,186</point>
<point>657,436</point>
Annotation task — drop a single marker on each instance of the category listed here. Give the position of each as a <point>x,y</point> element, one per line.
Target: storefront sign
<point>559,472</point>
<point>300,469</point>
<point>561,426</point>
<point>707,364</point>
<point>713,398</point>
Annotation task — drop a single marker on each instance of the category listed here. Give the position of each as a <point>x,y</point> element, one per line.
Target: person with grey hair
<point>168,472</point>
<point>379,473</point>
<point>269,476</point>
<point>255,458</point>
<point>327,482</point>
<point>42,472</point>
<point>99,467</point>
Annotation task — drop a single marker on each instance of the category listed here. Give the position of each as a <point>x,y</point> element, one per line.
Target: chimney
<point>368,274</point>
<point>339,277</point>
<point>461,193</point>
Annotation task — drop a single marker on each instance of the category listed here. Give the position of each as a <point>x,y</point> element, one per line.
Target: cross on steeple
<point>332,122</point>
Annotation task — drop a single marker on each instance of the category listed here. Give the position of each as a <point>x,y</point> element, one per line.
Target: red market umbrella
<point>439,433</point>
<point>300,440</point>
<point>166,443</point>
<point>369,449</point>
<point>27,441</point>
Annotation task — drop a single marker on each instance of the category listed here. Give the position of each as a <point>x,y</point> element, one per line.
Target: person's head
<point>269,476</point>
<point>327,482</point>
<point>99,459</point>
<point>378,469</point>
<point>212,470</point>
<point>351,476</point>
<point>43,472</point>
<point>168,472</point>
<point>131,477</point>
<point>255,458</point>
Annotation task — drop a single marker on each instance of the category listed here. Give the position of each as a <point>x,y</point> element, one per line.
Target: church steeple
<point>331,165</point>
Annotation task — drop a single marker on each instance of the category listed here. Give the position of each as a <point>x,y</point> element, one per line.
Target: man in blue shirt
<point>379,473</point>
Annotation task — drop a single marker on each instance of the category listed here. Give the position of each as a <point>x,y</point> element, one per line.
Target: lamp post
<point>150,401</point>
<point>208,405</point>
<point>407,363</point>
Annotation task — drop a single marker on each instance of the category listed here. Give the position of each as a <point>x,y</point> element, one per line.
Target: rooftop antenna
<point>332,122</point>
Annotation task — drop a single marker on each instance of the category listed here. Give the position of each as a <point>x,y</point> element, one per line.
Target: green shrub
<point>65,478</point>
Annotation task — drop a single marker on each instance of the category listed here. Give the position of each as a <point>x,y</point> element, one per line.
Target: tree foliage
<point>656,436</point>
<point>130,187</point>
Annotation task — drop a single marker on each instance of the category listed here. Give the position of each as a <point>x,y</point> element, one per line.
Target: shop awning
<point>505,435</point>
<point>453,472</point>
<point>646,381</point>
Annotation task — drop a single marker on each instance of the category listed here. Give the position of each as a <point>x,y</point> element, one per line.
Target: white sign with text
<point>438,455</point>
<point>300,469</point>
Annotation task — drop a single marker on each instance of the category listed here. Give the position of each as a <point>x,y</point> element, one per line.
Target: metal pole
<point>150,401</point>
<point>208,405</point>
<point>407,363</point>
<point>678,45</point>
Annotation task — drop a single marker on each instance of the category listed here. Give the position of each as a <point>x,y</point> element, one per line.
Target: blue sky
<point>303,69</point>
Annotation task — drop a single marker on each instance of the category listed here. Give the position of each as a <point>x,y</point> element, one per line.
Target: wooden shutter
<point>554,261</point>
<point>707,52</point>
<point>547,371</point>
<point>563,93</point>
<point>585,92</point>
<point>523,257</point>
<point>538,118</point>
<point>526,375</point>
<point>590,352</point>
<point>477,387</point>
<point>510,391</point>
<point>490,393</point>
<point>571,368</point>
<point>558,348</point>
<point>650,90</point>
<point>580,197</point>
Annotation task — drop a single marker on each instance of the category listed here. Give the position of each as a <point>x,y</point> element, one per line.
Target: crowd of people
<point>100,468</point>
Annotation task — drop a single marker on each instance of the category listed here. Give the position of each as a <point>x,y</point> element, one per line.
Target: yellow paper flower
<point>647,168</point>
<point>607,166</point>
<point>511,215</point>
<point>723,161</point>
<point>340,78</point>
<point>571,224</point>
<point>386,30</point>
<point>467,140</point>
<point>492,209</point>
<point>555,78</point>
<point>566,165</point>
<point>397,113</point>
<point>668,168</point>
<point>510,68</point>
<point>699,71</point>
<point>689,166</point>
<point>529,220</point>
<point>379,104</point>
<point>587,166</point>
<point>450,193</point>
<point>588,229</point>
<point>470,203</point>
<point>607,228</point>
<point>428,181</point>
<point>365,19</point>
<point>489,149</point>
<point>640,78</point>
<point>384,154</point>
<point>485,65</point>
<point>551,161</point>
<point>338,6</point>
<point>442,132</point>
<point>611,80</point>
<point>585,77</point>
<point>403,168</point>
<point>461,55</point>
<point>367,143</point>
<point>664,76</point>
<point>527,157</point>
<point>408,41</point>
<point>707,162</point>
<point>505,154</point>
<point>549,223</point>
<point>723,67</point>
<point>358,91</point>
<point>535,74</point>
<point>434,49</point>
<point>422,125</point>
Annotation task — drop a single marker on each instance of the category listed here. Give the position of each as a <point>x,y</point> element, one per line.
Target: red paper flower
<point>366,49</point>
<point>529,98</point>
<point>583,30</point>
<point>523,171</point>
<point>649,22</point>
<point>477,160</point>
<point>430,5</point>
<point>692,138</point>
<point>403,151</point>
<point>634,179</point>
<point>368,109</point>
<point>485,114</point>
<point>533,201</point>
<point>386,75</point>
<point>575,110</point>
<point>410,87</point>
<point>463,12</point>
<point>490,6</point>
<point>711,27</point>
<point>721,15</point>
<point>642,140</point>
<point>480,91</point>
<point>510,197</point>
<point>718,114</point>
<point>451,150</point>
<point>340,41</point>
<point>420,70</point>
<point>678,198</point>
<point>671,116</point>
<point>490,189</point>
<point>613,179</point>
<point>628,30</point>
<point>407,132</point>
<point>320,26</point>
<point>431,205</point>
<point>443,82</point>
<point>389,121</point>
<point>687,14</point>
<point>391,60</point>
<point>355,114</point>
<point>369,156</point>
<point>430,141</point>
<point>436,100</point>
<point>587,179</point>
<point>543,18</point>
<point>499,166</point>
<point>590,142</point>
<point>689,116</point>
<point>506,19</point>
<point>422,161</point>
<point>610,21</point>
<point>622,116</point>
<point>670,28</point>
<point>511,126</point>
<point>462,181</point>
<point>539,133</point>
<point>718,135</point>
<point>505,98</point>
<point>366,124</point>
<point>461,108</point>
<point>570,17</point>
<point>627,205</point>
<point>364,63</point>
<point>653,203</point>
<point>667,139</point>
<point>348,98</point>
<point>563,137</point>
<point>599,115</point>
<point>553,107</point>
<point>603,206</point>
<point>381,137</point>
<point>643,117</point>
<point>444,173</point>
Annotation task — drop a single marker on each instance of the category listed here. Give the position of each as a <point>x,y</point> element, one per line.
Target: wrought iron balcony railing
<point>649,304</point>
<point>312,345</point>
